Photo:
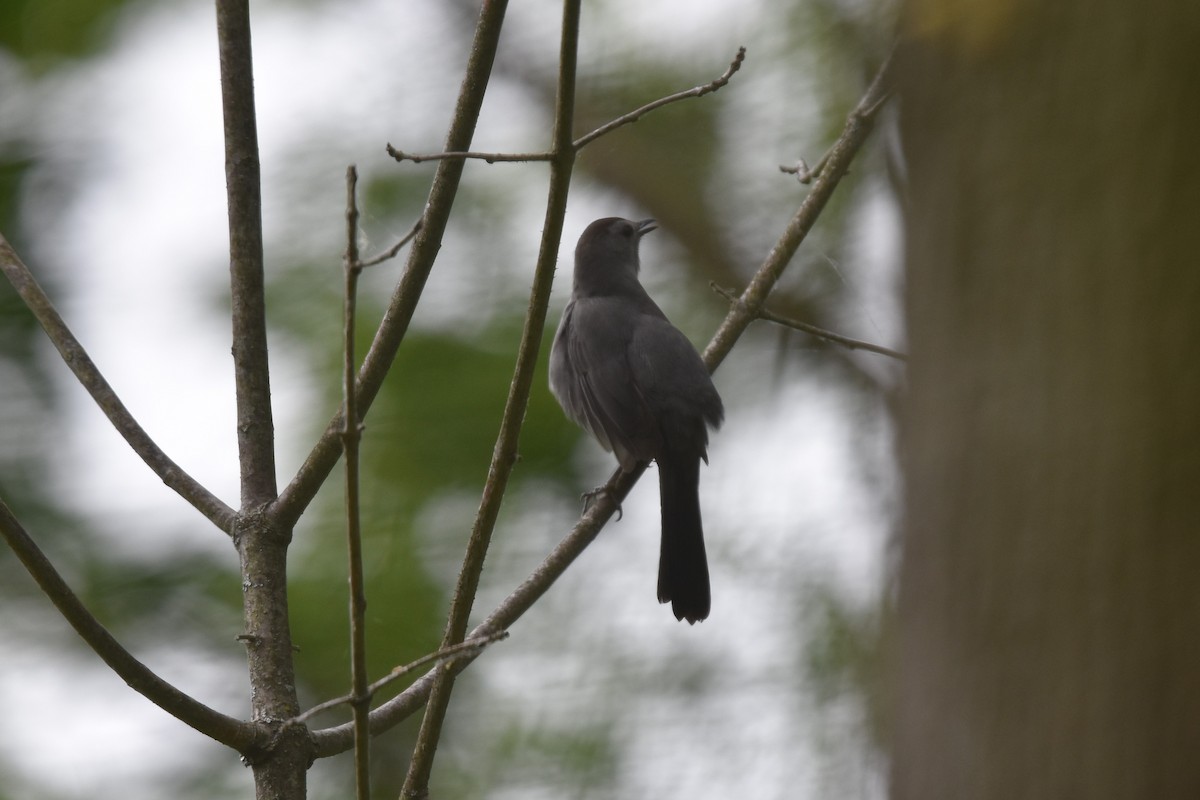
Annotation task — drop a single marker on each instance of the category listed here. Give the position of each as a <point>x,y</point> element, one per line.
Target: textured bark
<point>1049,605</point>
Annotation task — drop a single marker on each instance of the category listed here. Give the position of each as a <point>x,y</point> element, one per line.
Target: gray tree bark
<point>1048,621</point>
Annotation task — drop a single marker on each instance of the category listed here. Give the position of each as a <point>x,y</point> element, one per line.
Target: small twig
<point>242,736</point>
<point>583,141</point>
<point>490,158</point>
<point>351,437</point>
<point>801,170</point>
<point>471,647</point>
<point>102,393</point>
<point>397,247</point>
<point>636,114</point>
<point>813,330</point>
<point>854,133</point>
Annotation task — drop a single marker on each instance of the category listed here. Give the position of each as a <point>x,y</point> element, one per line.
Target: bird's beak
<point>645,226</point>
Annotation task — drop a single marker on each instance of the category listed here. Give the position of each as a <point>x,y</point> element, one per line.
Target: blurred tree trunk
<point>1048,632</point>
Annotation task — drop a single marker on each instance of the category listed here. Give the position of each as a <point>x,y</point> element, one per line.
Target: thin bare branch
<point>504,454</point>
<point>854,133</point>
<point>351,438</point>
<point>490,158</point>
<point>636,114</point>
<point>471,647</point>
<point>93,381</point>
<point>813,330</point>
<point>397,247</point>
<point>244,737</point>
<point>316,468</point>
<point>583,141</point>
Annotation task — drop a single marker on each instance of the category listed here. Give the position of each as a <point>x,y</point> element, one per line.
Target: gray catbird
<point>623,372</point>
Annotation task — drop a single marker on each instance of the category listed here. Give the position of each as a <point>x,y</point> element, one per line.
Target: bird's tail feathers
<point>682,563</point>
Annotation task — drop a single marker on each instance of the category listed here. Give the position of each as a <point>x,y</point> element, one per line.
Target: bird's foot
<point>589,497</point>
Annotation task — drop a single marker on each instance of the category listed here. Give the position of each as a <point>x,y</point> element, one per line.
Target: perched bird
<point>624,373</point>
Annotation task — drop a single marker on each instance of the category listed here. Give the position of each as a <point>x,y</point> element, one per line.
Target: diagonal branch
<point>813,330</point>
<point>397,247</point>
<point>316,468</point>
<point>504,455</point>
<point>242,736</point>
<point>93,381</point>
<point>835,165</point>
<point>338,739</point>
<point>470,646</point>
<point>636,114</point>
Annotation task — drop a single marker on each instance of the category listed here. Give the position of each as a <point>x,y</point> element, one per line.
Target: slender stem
<point>316,468</point>
<point>261,540</point>
<point>504,455</point>
<point>813,330</point>
<point>636,114</point>
<point>87,373</point>
<point>351,436</point>
<point>235,733</point>
<point>490,158</point>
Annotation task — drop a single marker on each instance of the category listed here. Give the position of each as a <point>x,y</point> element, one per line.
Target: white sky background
<point>136,253</point>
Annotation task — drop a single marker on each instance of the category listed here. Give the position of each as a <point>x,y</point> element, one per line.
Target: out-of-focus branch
<point>93,381</point>
<point>316,468</point>
<point>244,737</point>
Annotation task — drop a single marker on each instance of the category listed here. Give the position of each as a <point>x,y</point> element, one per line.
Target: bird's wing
<point>607,396</point>
<point>673,383</point>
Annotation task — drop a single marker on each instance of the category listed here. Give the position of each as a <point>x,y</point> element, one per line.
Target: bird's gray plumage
<point>623,372</point>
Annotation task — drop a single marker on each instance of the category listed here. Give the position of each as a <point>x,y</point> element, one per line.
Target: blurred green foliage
<point>40,32</point>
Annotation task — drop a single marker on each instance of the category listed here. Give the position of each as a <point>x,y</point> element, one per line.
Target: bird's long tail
<point>682,564</point>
